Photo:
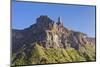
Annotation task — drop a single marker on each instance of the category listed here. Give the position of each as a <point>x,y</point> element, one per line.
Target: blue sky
<point>76,17</point>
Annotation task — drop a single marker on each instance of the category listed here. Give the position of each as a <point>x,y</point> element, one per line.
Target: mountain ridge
<point>50,35</point>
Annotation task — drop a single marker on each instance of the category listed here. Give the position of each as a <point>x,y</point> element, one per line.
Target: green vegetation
<point>88,52</point>
<point>40,55</point>
<point>20,59</point>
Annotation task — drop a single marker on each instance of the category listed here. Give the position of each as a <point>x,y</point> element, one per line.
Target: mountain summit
<point>50,37</point>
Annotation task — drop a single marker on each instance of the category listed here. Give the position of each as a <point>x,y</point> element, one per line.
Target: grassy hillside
<point>40,55</point>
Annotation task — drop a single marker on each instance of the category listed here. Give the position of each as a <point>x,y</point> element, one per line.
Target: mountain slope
<point>48,41</point>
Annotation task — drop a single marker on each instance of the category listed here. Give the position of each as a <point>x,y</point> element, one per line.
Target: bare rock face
<point>49,34</point>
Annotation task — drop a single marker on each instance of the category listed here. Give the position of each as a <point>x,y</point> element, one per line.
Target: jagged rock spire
<point>59,19</point>
<point>59,22</point>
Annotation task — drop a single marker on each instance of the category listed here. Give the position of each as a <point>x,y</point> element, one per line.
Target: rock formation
<point>48,34</point>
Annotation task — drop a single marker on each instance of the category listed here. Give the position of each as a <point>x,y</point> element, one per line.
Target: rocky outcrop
<point>49,34</point>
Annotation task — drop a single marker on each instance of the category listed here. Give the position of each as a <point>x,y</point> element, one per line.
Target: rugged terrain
<point>48,41</point>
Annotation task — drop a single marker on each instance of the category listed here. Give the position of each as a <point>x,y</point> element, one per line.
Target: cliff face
<point>49,35</point>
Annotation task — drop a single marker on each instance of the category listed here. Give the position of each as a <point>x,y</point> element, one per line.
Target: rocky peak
<point>43,19</point>
<point>44,22</point>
